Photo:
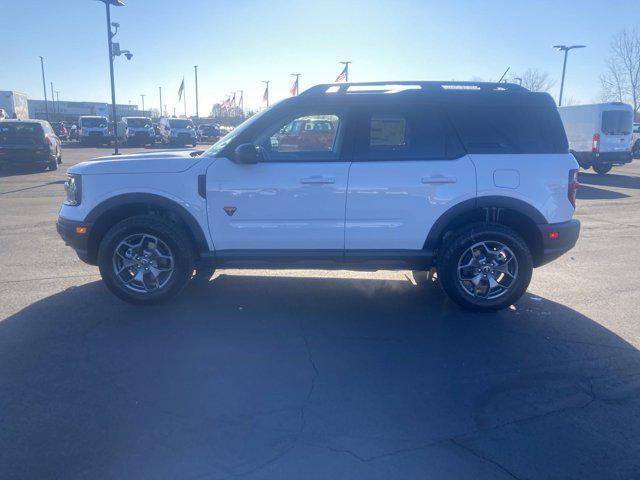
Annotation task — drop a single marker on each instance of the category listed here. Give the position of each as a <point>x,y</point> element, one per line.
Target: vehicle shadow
<point>586,192</point>
<point>15,170</point>
<point>315,378</point>
<point>609,180</point>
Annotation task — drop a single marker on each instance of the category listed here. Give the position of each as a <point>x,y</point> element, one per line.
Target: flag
<point>343,75</point>
<point>294,87</point>
<point>233,101</point>
<point>181,89</point>
<point>265,96</point>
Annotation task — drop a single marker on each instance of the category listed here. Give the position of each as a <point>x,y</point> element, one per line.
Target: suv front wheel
<point>145,259</point>
<point>485,267</point>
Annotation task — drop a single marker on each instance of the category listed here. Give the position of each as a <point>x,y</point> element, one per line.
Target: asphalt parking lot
<point>318,375</point>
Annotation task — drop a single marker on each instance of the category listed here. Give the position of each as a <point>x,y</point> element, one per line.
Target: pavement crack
<point>484,458</point>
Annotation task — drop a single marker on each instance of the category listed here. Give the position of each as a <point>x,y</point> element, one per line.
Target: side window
<point>411,133</point>
<point>509,129</point>
<point>305,137</point>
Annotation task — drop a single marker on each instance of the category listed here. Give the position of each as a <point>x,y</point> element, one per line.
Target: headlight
<point>73,186</point>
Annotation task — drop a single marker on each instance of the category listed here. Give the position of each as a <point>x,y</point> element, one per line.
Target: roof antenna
<point>503,75</point>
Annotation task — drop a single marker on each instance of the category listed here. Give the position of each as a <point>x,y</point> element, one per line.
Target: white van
<point>94,130</point>
<point>178,131</point>
<point>599,134</point>
<point>138,131</point>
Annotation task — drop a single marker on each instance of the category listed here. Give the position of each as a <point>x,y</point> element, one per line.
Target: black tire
<point>53,164</point>
<point>169,233</point>
<point>202,275</point>
<point>602,169</point>
<point>60,159</point>
<point>460,242</point>
<point>635,151</point>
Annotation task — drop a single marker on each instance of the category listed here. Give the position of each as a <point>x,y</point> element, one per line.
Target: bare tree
<point>621,79</point>
<point>535,80</point>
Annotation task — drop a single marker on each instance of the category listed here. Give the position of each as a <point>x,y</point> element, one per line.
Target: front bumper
<point>588,159</point>
<point>78,241</point>
<point>557,239</point>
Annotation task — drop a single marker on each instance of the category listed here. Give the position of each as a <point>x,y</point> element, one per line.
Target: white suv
<point>472,179</point>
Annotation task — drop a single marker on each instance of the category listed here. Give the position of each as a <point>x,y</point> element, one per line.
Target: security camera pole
<point>110,35</point>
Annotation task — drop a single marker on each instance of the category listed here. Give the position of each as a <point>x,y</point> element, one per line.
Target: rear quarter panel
<point>541,180</point>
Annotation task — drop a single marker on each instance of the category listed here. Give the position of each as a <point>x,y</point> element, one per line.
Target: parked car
<point>3,114</point>
<point>61,130</point>
<point>138,131</point>
<point>29,143</point>
<point>178,131</point>
<point>600,134</point>
<point>472,179</point>
<point>208,133</point>
<point>94,130</point>
<point>635,141</point>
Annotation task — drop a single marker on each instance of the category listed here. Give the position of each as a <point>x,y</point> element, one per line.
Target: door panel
<point>393,204</point>
<point>278,205</point>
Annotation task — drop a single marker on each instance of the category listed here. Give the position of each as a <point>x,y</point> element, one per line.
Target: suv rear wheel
<point>145,259</point>
<point>485,267</point>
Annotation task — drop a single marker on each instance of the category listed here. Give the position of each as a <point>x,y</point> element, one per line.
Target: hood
<point>153,162</point>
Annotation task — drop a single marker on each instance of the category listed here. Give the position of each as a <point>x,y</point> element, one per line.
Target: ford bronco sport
<point>474,180</point>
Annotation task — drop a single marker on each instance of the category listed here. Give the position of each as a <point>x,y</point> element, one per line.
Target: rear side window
<point>410,133</point>
<point>20,133</point>
<point>509,129</point>
<point>617,122</point>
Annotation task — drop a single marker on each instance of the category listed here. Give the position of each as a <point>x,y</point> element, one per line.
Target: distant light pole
<point>241,102</point>
<point>44,87</point>
<point>142,97</point>
<point>297,84</point>
<point>565,49</point>
<point>195,67</point>
<point>346,70</point>
<point>53,102</point>
<point>265,97</point>
<point>160,114</point>
<point>58,102</point>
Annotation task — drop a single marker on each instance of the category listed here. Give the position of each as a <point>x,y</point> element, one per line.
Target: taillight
<point>47,140</point>
<point>595,143</point>
<point>572,189</point>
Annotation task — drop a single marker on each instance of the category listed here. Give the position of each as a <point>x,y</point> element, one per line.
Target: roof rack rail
<point>396,87</point>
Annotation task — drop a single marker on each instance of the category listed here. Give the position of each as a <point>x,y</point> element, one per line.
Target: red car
<point>306,134</point>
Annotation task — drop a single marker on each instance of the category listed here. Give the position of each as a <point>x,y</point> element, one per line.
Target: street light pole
<point>44,87</point>
<point>58,102</point>
<point>53,102</point>
<point>142,97</point>
<point>266,92</point>
<point>346,70</point>
<point>565,49</point>
<point>297,84</point>
<point>195,67</point>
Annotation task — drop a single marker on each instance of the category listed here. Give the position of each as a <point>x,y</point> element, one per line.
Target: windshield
<point>180,124</point>
<point>94,122</point>
<point>228,138</point>
<point>20,133</point>
<point>617,122</point>
<point>139,122</point>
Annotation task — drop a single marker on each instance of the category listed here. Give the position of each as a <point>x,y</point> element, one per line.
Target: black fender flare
<point>157,201</point>
<point>468,206</point>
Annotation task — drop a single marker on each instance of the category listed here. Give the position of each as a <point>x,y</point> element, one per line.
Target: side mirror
<point>246,153</point>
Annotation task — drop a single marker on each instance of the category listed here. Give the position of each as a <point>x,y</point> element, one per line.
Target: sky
<point>237,44</point>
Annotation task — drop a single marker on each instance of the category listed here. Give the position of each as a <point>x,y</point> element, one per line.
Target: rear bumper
<point>79,242</point>
<point>557,239</point>
<point>606,158</point>
<point>18,156</point>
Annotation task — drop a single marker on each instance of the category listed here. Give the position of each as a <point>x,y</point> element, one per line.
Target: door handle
<point>439,179</point>
<point>317,180</point>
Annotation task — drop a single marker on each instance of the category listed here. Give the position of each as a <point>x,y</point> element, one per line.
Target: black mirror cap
<point>246,153</point>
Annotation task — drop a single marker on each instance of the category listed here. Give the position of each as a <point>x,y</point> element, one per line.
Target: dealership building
<point>61,111</point>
